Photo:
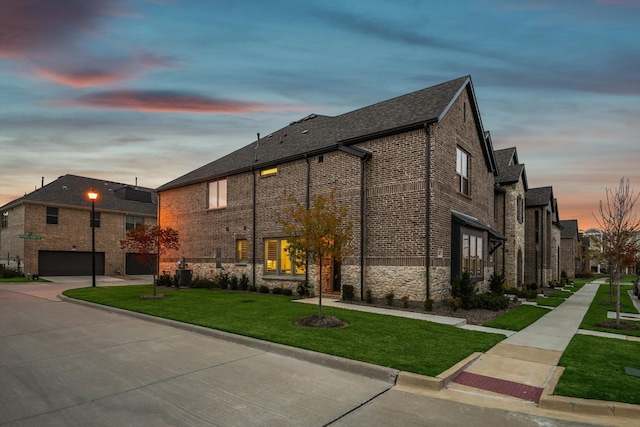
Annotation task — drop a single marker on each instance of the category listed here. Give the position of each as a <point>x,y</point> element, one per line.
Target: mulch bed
<point>315,321</point>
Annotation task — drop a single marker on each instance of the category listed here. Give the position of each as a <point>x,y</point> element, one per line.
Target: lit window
<point>242,256</point>
<point>218,194</point>
<point>278,261</point>
<point>462,171</point>
<point>269,171</point>
<point>472,259</point>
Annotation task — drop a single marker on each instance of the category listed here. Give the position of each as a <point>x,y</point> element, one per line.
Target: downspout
<point>504,232</point>
<point>427,284</point>
<point>253,231</point>
<point>308,205</point>
<point>363,240</point>
<point>158,257</point>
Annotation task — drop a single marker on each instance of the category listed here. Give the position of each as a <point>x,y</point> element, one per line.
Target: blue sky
<point>120,90</point>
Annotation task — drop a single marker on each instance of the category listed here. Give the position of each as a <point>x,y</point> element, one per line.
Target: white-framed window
<point>462,171</point>
<point>218,194</point>
<point>472,255</point>
<point>277,260</point>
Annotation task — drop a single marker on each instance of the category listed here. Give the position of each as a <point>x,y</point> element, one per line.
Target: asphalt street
<point>65,364</point>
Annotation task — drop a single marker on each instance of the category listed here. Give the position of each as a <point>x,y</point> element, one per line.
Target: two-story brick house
<point>570,248</point>
<point>512,184</point>
<point>49,230</point>
<point>416,173</point>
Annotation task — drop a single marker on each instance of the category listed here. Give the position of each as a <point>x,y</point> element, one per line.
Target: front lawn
<point>405,344</point>
<point>602,304</point>
<point>518,318</point>
<point>21,279</point>
<point>594,369</point>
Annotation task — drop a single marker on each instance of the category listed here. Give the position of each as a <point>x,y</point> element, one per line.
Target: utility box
<point>184,277</point>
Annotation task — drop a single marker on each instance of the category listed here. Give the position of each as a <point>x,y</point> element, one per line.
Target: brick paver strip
<point>509,388</point>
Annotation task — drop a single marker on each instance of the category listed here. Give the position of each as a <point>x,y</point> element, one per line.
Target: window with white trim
<point>218,194</point>
<point>462,171</point>
<point>472,255</point>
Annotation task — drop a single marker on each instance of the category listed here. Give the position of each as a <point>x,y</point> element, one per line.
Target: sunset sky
<point>119,90</point>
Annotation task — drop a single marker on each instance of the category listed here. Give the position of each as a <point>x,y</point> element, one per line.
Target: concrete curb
<point>578,406</point>
<point>369,370</point>
<point>437,383</point>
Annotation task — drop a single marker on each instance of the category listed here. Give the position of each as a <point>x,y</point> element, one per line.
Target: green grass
<point>405,344</point>
<point>598,310</point>
<point>560,294</point>
<point>549,302</point>
<point>21,280</point>
<point>518,318</point>
<point>594,369</point>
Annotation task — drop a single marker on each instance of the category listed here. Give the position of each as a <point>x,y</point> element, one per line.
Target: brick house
<point>570,248</point>
<point>511,188</point>
<point>542,237</point>
<point>416,173</point>
<point>49,230</point>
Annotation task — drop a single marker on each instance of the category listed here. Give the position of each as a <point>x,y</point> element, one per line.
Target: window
<point>520,208</point>
<point>218,194</point>
<point>462,171</point>
<point>5,219</point>
<point>269,171</point>
<point>278,261</point>
<point>96,220</point>
<point>536,226</point>
<point>133,221</point>
<point>52,215</point>
<point>472,260</point>
<point>242,255</point>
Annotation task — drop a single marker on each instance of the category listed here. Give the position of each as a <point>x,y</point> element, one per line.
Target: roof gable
<point>542,196</point>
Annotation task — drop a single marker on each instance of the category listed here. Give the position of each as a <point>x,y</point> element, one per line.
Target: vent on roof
<point>306,131</point>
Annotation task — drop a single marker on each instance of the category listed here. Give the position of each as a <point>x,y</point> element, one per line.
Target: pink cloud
<point>30,26</point>
<point>83,78</point>
<point>165,102</point>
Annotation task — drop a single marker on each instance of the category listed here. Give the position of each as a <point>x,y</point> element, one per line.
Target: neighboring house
<point>416,173</point>
<point>570,249</point>
<point>49,230</point>
<point>592,238</point>
<point>511,187</point>
<point>542,237</point>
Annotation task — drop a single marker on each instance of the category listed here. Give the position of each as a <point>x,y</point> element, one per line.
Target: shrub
<point>405,301</point>
<point>454,303</point>
<point>253,288</point>
<point>233,283</point>
<point>277,291</point>
<point>348,293</point>
<point>532,286</point>
<point>496,283</point>
<point>303,289</point>
<point>491,301</point>
<point>368,296</point>
<point>9,273</point>
<point>389,297</point>
<point>201,283</point>
<point>288,292</point>
<point>263,289</point>
<point>243,283</point>
<point>165,280</point>
<point>428,305</point>
<point>464,289</point>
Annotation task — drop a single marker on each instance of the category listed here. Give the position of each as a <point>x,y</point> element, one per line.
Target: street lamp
<point>93,195</point>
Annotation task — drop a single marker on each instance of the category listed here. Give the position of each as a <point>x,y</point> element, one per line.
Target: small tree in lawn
<point>149,243</point>
<point>619,225</point>
<point>318,232</point>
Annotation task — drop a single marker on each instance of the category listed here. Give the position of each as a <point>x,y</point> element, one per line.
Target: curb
<point>578,406</point>
<point>437,383</point>
<point>365,369</point>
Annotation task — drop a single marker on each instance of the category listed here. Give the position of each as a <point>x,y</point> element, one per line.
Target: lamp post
<point>93,195</point>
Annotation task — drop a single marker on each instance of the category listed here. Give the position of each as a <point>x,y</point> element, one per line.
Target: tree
<point>149,243</point>
<point>619,225</point>
<point>318,232</point>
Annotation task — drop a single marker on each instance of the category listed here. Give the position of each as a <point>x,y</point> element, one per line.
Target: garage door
<point>134,266</point>
<point>68,263</point>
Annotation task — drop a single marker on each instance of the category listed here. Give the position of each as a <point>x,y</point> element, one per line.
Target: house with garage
<point>416,173</point>
<point>511,188</point>
<point>49,231</point>
<point>542,237</point>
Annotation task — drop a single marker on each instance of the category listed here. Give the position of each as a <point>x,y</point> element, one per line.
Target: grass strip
<point>604,302</point>
<point>594,369</point>
<point>406,344</point>
<point>518,318</point>
<point>549,302</point>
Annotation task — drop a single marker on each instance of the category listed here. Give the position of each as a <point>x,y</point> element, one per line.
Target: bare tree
<point>619,225</point>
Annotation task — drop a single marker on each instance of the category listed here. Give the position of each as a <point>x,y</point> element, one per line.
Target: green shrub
<point>348,293</point>
<point>263,289</point>
<point>287,292</point>
<point>464,289</point>
<point>233,283</point>
<point>253,288</point>
<point>243,283</point>
<point>532,286</point>
<point>222,280</point>
<point>496,283</point>
<point>201,283</point>
<point>165,280</point>
<point>389,297</point>
<point>303,289</point>
<point>277,291</point>
<point>428,304</point>
<point>9,273</point>
<point>454,303</point>
<point>491,302</point>
<point>368,296</point>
